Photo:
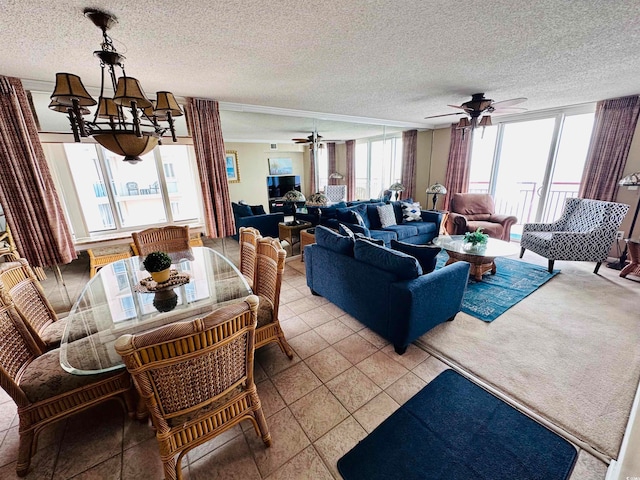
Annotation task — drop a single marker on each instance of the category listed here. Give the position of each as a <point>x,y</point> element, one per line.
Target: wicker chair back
<point>249,237</point>
<point>172,238</point>
<point>270,262</point>
<point>20,283</point>
<point>196,379</point>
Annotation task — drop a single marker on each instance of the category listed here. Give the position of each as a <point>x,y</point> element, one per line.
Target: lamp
<point>293,196</point>
<point>127,122</point>
<point>436,189</point>
<point>336,175</point>
<point>631,180</point>
<point>397,187</point>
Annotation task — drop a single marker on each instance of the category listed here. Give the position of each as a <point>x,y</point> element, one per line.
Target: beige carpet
<point>570,351</point>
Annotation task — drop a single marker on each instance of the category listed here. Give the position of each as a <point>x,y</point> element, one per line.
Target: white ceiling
<point>372,62</point>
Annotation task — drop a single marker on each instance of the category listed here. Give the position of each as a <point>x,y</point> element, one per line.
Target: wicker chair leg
<point>170,470</point>
<point>24,452</point>
<point>260,422</point>
<point>284,345</point>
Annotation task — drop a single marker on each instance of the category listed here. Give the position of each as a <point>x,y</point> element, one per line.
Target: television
<point>278,185</point>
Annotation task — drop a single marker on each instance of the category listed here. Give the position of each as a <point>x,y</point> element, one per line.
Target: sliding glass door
<point>531,167</point>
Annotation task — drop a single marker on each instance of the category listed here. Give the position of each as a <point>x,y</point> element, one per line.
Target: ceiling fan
<point>311,139</point>
<point>479,105</point>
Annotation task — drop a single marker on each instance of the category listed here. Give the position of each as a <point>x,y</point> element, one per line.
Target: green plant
<point>156,262</point>
<point>476,238</point>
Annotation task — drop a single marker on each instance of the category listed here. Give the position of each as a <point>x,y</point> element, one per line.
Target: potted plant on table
<point>157,264</point>
<point>475,240</point>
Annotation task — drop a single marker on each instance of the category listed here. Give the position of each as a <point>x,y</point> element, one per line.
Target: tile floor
<point>343,381</point>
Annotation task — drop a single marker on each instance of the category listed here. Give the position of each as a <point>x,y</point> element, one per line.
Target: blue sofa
<point>255,216</point>
<point>416,232</point>
<point>382,288</point>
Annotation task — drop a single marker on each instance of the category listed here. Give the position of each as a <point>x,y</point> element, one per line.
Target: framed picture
<point>280,166</point>
<point>233,172</point>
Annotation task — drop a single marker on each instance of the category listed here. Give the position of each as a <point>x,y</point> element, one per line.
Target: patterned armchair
<point>585,232</point>
<point>336,193</point>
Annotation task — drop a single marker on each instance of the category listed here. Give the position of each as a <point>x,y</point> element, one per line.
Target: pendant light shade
<point>130,146</point>
<point>166,102</point>
<point>107,108</point>
<point>129,90</point>
<point>68,88</point>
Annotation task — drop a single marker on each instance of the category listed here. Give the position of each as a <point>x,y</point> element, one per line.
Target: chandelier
<point>125,122</point>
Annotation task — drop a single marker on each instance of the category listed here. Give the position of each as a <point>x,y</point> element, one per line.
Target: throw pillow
<point>258,210</point>
<point>376,241</point>
<point>411,212</point>
<point>359,219</point>
<point>333,241</point>
<point>344,230</point>
<point>425,254</point>
<point>387,217</point>
<point>241,210</point>
<point>403,266</point>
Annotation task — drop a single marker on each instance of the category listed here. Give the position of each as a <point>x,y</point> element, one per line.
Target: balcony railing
<point>524,202</point>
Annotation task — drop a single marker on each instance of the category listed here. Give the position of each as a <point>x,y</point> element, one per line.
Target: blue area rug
<point>454,430</point>
<point>495,294</point>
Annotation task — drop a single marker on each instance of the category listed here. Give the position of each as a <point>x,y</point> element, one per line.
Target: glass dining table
<point>122,298</point>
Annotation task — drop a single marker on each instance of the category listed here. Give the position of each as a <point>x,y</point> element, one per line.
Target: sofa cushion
<point>241,210</point>
<point>411,212</point>
<point>387,216</point>
<point>403,266</point>
<point>334,241</point>
<point>425,254</point>
<point>404,230</point>
<point>425,228</point>
<point>360,220</point>
<point>397,208</point>
<point>330,212</point>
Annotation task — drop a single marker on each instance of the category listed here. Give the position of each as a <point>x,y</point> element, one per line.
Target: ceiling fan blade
<point>498,111</point>
<point>457,106</point>
<point>508,103</point>
<point>444,115</point>
<point>300,140</point>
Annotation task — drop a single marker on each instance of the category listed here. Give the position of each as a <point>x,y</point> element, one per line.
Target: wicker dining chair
<point>270,259</point>
<point>19,282</point>
<point>248,239</point>
<point>171,238</point>
<point>196,378</point>
<point>42,390</point>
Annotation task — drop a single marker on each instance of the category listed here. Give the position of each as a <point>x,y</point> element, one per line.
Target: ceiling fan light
<point>464,123</point>
<point>485,121</point>
<point>129,90</point>
<point>68,88</point>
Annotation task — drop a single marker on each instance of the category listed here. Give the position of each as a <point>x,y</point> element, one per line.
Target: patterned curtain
<point>613,128</point>
<point>313,184</point>
<point>204,120</point>
<point>27,192</point>
<point>409,153</point>
<point>331,156</point>
<point>457,179</point>
<point>350,176</point>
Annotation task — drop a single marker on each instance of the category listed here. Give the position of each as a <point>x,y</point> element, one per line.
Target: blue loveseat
<point>255,216</point>
<point>382,288</point>
<point>416,232</point>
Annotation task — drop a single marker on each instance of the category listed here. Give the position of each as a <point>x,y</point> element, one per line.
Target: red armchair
<point>470,211</point>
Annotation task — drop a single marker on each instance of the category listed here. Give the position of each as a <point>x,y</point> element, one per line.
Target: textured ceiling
<point>397,61</point>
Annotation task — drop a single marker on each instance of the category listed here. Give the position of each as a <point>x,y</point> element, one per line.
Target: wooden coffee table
<point>481,258</point>
<point>291,232</point>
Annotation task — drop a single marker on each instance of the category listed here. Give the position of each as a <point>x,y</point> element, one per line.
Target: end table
<point>291,232</point>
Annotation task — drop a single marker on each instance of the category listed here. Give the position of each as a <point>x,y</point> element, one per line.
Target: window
<point>378,165</point>
<point>114,195</point>
<point>531,167</point>
<point>322,166</point>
